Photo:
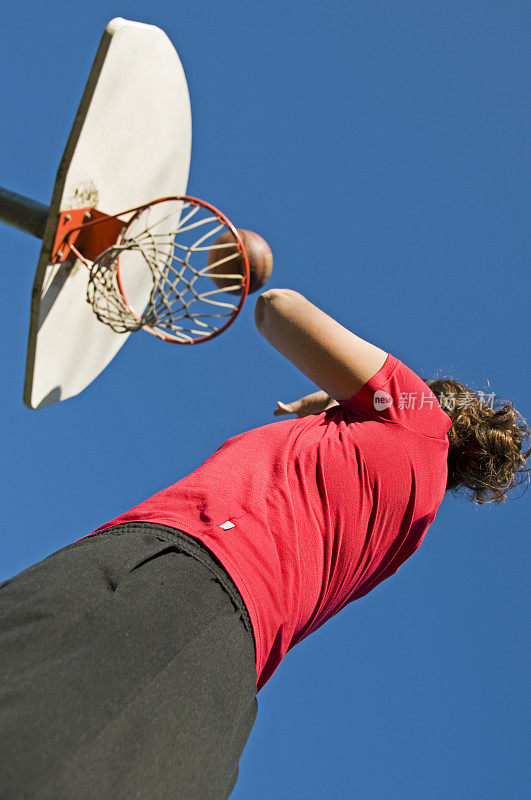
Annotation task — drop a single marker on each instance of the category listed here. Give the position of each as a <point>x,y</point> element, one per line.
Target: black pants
<point>127,670</point>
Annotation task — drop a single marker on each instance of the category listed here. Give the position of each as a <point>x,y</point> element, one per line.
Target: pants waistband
<point>195,548</point>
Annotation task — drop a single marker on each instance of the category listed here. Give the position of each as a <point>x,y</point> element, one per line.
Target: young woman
<point>130,660</point>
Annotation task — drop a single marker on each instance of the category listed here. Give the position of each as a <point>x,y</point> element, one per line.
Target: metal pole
<point>21,212</point>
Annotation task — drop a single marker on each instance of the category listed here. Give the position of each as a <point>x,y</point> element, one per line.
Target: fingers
<point>283,408</point>
<point>301,407</point>
<point>310,404</point>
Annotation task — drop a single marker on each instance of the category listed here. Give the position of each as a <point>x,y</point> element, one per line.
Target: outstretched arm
<point>331,356</point>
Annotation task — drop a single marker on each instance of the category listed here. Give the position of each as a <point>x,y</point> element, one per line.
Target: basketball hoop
<point>173,239</point>
<point>175,267</point>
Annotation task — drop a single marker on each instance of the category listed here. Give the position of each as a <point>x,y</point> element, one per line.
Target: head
<point>488,438</point>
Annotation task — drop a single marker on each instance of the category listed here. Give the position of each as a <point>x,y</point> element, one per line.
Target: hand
<point>311,404</point>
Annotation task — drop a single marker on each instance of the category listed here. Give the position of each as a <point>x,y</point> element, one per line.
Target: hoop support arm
<point>23,213</point>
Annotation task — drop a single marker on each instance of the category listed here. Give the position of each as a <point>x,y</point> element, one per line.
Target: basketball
<point>259,255</point>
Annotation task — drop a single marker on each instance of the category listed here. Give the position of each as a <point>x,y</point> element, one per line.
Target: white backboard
<point>130,144</point>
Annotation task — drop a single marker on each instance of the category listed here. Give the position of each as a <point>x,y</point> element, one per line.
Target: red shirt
<point>309,514</point>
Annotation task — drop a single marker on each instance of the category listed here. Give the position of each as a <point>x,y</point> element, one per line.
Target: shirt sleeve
<point>397,395</point>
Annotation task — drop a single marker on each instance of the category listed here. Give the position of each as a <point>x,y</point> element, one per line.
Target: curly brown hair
<point>487,456</point>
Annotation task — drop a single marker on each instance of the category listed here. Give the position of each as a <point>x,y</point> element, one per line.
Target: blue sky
<point>382,148</point>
